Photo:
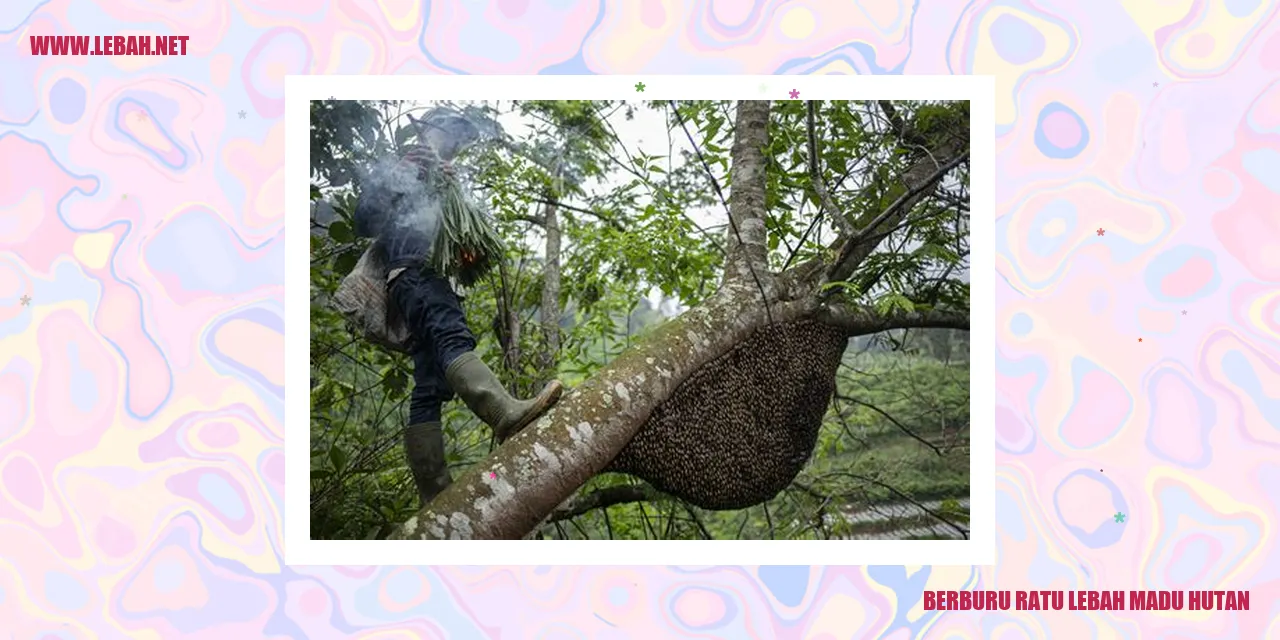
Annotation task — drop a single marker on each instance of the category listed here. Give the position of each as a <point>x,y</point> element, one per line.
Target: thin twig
<point>891,419</point>
<point>819,184</point>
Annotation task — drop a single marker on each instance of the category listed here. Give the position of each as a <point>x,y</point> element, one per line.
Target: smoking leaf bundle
<point>466,245</point>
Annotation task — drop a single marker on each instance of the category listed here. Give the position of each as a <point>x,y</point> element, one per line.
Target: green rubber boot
<point>424,449</point>
<point>483,393</point>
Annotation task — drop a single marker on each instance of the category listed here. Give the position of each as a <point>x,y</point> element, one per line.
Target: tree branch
<point>508,494</point>
<point>901,427</point>
<point>861,320</point>
<point>800,280</point>
<point>605,498</point>
<point>907,134</point>
<point>529,478</point>
<point>599,215</point>
<point>862,243</point>
<point>827,205</point>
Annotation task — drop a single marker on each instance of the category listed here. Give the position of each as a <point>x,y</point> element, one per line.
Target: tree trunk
<point>549,309</point>
<point>513,490</point>
<point>506,325</point>
<point>746,263</point>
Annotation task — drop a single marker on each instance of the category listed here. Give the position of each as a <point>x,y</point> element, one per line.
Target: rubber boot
<point>424,449</point>
<point>480,389</point>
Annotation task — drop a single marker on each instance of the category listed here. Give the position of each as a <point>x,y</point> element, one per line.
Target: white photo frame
<point>980,549</point>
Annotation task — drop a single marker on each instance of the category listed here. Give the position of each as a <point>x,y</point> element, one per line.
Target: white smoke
<point>414,205</point>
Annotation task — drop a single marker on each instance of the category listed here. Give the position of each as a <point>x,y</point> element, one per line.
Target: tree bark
<point>549,309</point>
<point>746,262</point>
<point>506,326</point>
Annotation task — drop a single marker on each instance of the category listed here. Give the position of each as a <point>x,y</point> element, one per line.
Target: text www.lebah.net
<point>109,45</point>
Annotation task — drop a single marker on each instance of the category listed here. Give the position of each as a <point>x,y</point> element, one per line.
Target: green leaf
<point>321,474</point>
<point>894,302</point>
<point>345,262</point>
<point>340,232</point>
<point>713,127</point>
<point>338,457</point>
<point>395,381</point>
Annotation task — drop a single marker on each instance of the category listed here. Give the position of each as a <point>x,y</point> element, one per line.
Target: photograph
<point>639,319</point>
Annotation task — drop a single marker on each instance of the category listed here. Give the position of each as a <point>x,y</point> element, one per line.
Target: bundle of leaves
<point>466,245</point>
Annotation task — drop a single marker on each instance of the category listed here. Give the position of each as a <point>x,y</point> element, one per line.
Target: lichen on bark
<point>507,494</point>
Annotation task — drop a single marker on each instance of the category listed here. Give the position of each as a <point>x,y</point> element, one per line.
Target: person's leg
<point>424,437</point>
<point>484,394</point>
<point>435,315</point>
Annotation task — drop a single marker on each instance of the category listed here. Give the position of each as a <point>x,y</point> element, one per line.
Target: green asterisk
<point>1119,517</point>
<point>640,87</point>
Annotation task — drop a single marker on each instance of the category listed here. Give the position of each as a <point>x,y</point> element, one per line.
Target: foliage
<point>467,245</point>
<point>641,225</point>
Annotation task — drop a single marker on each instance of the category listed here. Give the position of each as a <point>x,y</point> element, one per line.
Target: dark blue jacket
<point>399,210</point>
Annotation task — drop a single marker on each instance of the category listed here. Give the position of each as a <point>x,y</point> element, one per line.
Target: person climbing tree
<point>740,315</point>
<point>426,235</point>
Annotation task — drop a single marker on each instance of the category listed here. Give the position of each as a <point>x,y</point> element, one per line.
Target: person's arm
<point>373,208</point>
<point>365,217</point>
